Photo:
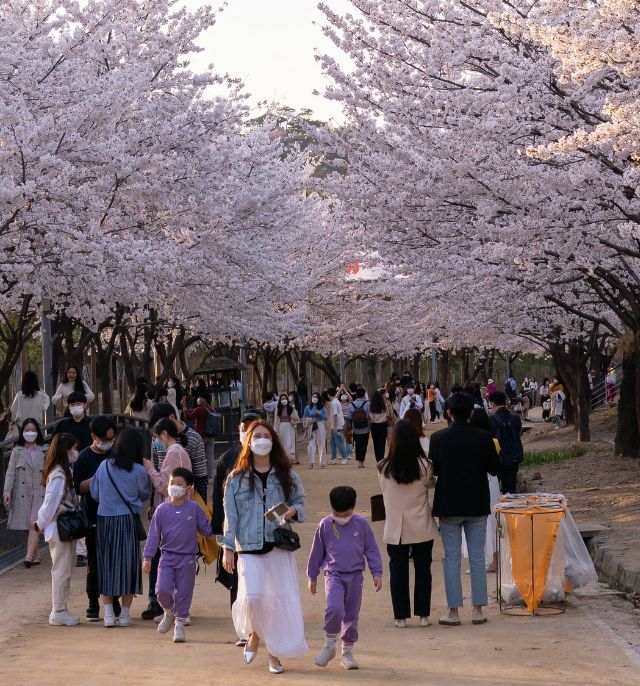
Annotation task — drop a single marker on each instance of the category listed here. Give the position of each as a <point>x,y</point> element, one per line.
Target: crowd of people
<point>257,497</point>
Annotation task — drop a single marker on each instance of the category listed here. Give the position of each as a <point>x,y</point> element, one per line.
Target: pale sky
<point>269,44</point>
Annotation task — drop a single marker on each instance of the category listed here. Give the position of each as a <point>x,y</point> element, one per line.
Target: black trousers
<point>399,572</point>
<point>379,438</point>
<point>432,410</point>
<point>508,477</point>
<point>361,442</point>
<point>93,591</point>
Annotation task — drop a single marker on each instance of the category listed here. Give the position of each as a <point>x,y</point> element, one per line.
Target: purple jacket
<point>341,549</point>
<point>175,527</point>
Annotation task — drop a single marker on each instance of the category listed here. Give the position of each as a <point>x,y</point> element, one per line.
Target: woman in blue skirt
<point>120,486</point>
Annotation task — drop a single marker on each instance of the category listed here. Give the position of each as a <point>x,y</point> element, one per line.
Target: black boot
<point>153,610</point>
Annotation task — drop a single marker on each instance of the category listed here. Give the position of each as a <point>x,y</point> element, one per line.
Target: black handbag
<point>378,512</point>
<point>141,534</point>
<point>73,525</point>
<point>286,539</point>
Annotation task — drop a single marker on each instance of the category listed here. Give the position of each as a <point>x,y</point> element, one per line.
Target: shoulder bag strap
<point>126,502</point>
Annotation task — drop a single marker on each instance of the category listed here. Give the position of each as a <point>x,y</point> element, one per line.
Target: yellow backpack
<point>208,546</point>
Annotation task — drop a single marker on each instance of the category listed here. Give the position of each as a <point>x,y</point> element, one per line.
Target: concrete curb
<point>608,565</point>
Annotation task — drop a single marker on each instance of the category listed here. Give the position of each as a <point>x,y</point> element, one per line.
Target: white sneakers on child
<point>178,633</point>
<point>125,621</point>
<point>400,623</point>
<point>327,654</point>
<point>347,660</point>
<point>166,622</point>
<point>64,618</point>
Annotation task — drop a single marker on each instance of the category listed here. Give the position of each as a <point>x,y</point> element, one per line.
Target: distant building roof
<point>219,364</point>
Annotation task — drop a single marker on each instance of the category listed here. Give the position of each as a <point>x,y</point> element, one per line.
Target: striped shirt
<point>197,455</point>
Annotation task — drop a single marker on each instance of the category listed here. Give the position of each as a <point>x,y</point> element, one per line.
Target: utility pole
<point>47,358</point>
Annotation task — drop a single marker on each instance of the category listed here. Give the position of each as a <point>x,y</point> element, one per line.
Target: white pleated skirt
<point>287,435</point>
<point>268,602</point>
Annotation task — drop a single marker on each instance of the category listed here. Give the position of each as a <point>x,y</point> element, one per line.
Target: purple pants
<point>344,597</point>
<point>176,579</point>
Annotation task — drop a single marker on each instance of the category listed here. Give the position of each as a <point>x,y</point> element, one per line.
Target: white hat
<point>490,381</point>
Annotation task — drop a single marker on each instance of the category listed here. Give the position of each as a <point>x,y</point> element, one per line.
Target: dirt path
<point>577,648</point>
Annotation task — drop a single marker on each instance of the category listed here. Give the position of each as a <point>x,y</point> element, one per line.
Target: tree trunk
<point>103,370</point>
<point>627,441</point>
<point>325,364</point>
<point>571,362</point>
<point>371,376</point>
<point>444,372</point>
<point>415,366</point>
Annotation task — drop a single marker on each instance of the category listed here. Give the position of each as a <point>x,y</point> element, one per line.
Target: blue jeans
<point>475,531</point>
<point>337,443</point>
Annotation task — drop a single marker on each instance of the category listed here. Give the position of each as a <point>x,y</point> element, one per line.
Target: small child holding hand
<point>341,544</point>
<point>174,527</point>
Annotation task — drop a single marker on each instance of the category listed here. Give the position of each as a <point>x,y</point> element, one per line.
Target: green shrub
<point>550,456</point>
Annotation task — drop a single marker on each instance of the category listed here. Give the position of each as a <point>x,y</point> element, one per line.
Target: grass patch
<point>531,459</point>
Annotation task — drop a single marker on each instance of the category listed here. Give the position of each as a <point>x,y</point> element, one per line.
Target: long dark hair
<point>281,406</point>
<point>279,459</point>
<point>128,449</point>
<point>170,427</point>
<point>137,401</point>
<point>30,385</point>
<point>39,439</point>
<point>377,405</point>
<point>414,416</point>
<point>404,461</point>
<point>58,454</point>
<point>480,419</point>
<point>78,384</point>
<point>319,405</point>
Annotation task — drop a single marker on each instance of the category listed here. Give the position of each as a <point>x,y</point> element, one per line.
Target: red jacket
<point>198,416</point>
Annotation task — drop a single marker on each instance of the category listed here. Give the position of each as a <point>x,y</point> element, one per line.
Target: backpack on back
<point>359,417</point>
<point>212,425</point>
<point>511,450</point>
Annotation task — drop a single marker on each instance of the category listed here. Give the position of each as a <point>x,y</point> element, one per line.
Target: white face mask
<point>386,395</point>
<point>76,410</point>
<point>409,391</point>
<point>315,399</point>
<point>170,384</point>
<point>104,445</point>
<point>343,398</point>
<point>176,491</point>
<point>30,436</point>
<point>243,437</point>
<point>284,401</point>
<point>73,456</point>
<point>343,521</point>
<point>261,446</point>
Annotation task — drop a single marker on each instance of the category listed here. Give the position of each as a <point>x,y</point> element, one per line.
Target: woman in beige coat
<point>405,476</point>
<point>23,493</point>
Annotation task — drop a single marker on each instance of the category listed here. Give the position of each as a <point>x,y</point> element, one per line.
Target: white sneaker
<point>187,621</point>
<point>344,461</point>
<point>328,653</point>
<point>401,623</point>
<point>348,661</point>
<point>332,462</point>
<point>64,618</point>
<point>178,633</point>
<point>109,621</point>
<point>125,621</point>
<point>166,622</point>
<point>424,621</point>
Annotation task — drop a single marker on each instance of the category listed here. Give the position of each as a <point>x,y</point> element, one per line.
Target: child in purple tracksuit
<point>174,527</point>
<point>340,546</point>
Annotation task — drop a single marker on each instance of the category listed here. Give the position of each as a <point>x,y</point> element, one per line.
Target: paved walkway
<point>577,648</point>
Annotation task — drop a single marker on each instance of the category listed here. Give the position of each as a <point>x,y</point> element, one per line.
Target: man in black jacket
<point>462,455</point>
<point>507,428</point>
<point>225,464</point>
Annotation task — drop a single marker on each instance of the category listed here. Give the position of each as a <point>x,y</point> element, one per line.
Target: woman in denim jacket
<point>268,606</point>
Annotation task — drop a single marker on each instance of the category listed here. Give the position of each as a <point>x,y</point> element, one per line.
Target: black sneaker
<point>93,613</point>
<point>81,560</point>
<point>153,610</point>
<point>116,607</point>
